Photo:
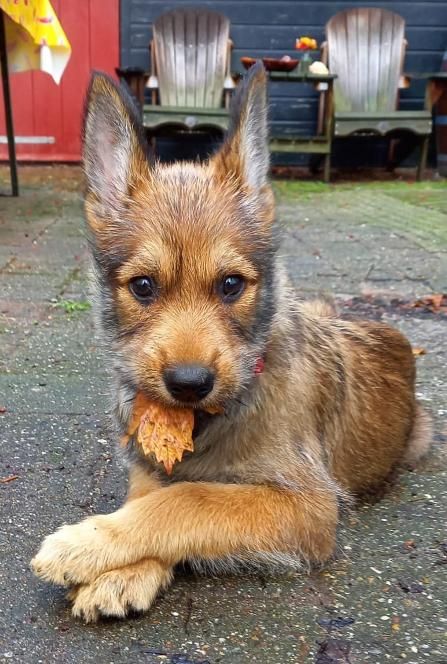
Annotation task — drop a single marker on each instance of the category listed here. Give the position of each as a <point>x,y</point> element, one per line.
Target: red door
<point>47,117</point>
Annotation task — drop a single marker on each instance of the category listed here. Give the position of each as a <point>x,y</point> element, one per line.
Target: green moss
<point>417,210</point>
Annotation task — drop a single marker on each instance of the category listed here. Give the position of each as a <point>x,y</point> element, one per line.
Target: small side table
<point>321,143</point>
<point>437,92</point>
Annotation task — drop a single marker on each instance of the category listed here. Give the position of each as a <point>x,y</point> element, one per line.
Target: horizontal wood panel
<point>281,39</point>
<point>297,13</point>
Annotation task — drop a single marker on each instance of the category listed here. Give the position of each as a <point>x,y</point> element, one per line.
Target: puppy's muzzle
<point>188,382</point>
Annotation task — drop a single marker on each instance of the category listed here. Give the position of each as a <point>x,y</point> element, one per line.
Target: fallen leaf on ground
<point>408,546</point>
<point>164,432</point>
<point>11,478</point>
<point>2,409</point>
<point>418,351</point>
<point>395,623</point>
<point>435,303</point>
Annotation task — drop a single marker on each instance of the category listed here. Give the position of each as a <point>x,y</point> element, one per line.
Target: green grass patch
<point>73,306</point>
<point>285,189</point>
<point>415,191</point>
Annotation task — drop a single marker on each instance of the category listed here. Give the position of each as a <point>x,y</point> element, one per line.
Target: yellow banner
<point>34,37</point>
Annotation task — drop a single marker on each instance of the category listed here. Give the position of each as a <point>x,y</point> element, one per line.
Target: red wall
<point>42,108</point>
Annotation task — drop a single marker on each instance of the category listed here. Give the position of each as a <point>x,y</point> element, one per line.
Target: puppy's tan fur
<point>330,417</point>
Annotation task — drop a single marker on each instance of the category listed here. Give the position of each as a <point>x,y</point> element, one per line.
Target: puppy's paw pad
<point>117,592</point>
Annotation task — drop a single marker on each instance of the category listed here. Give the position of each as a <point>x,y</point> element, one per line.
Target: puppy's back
<point>373,421</point>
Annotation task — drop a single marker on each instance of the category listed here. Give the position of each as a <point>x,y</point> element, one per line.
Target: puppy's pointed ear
<point>245,152</point>
<point>113,143</point>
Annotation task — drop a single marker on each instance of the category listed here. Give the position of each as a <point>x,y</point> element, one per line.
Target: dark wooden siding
<point>269,27</point>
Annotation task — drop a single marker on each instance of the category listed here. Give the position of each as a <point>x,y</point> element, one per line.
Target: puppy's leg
<point>133,587</point>
<point>141,482</point>
<point>193,520</point>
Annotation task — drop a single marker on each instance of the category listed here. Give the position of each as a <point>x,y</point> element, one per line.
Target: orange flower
<point>306,44</point>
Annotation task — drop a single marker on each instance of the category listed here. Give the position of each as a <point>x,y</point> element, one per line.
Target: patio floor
<point>377,247</point>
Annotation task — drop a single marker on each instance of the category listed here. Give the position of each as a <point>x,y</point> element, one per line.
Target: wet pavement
<point>377,247</point>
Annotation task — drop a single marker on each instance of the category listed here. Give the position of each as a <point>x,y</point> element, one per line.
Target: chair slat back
<point>191,47</point>
<point>365,50</point>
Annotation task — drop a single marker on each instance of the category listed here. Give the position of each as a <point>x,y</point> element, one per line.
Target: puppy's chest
<point>222,453</point>
<point>225,451</point>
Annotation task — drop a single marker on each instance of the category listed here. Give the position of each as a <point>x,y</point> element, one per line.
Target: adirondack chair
<point>190,79</point>
<point>365,48</point>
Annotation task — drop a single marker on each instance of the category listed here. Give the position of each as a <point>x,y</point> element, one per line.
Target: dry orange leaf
<point>435,303</point>
<point>418,351</point>
<point>395,623</point>
<point>164,432</point>
<point>11,478</point>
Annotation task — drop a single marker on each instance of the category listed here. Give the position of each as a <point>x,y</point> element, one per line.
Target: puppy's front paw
<point>119,591</point>
<point>76,554</point>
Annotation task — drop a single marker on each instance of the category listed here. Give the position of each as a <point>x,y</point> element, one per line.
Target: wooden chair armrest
<point>440,76</point>
<point>427,76</point>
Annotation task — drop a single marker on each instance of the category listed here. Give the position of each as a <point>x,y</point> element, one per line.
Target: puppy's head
<point>183,253</point>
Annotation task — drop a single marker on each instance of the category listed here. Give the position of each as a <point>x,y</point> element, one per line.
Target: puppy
<point>196,313</point>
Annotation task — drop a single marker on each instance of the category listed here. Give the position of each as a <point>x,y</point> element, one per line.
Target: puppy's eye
<point>143,288</point>
<point>231,287</point>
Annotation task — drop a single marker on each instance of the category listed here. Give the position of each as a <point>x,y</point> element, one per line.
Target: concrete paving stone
<point>25,231</point>
<point>41,285</point>
<point>44,336</point>
<point>429,198</point>
<point>364,261</point>
<point>29,287</point>
<point>371,208</point>
<point>77,290</point>
<point>37,391</point>
<point>61,348</point>
<point>53,255</point>
<point>69,231</point>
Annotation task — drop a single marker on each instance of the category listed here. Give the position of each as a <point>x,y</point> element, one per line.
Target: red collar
<point>259,366</point>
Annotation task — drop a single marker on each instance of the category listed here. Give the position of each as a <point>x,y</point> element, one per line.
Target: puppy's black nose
<point>188,382</point>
